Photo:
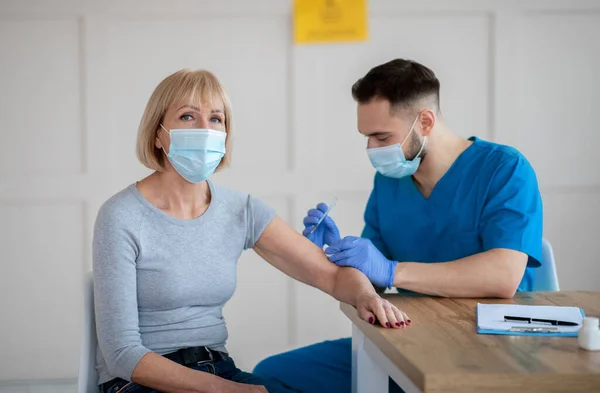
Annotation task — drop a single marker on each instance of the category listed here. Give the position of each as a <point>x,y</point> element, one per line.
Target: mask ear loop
<point>163,127</point>
<point>422,147</point>
<point>412,128</point>
<point>162,147</point>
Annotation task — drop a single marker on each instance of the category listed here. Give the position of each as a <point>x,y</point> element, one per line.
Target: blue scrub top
<point>489,198</point>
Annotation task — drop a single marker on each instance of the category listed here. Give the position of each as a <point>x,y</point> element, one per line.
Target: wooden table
<point>442,352</point>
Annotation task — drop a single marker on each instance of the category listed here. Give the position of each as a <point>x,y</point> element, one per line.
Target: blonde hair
<point>199,86</point>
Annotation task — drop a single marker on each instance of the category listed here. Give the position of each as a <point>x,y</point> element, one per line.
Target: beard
<point>415,145</point>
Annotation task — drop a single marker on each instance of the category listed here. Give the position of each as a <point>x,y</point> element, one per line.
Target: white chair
<point>88,376</point>
<point>545,277</point>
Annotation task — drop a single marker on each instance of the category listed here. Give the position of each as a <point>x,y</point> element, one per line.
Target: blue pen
<point>329,207</point>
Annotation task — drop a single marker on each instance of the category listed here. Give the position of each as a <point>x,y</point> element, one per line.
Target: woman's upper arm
<point>115,249</point>
<point>296,256</point>
<point>258,218</point>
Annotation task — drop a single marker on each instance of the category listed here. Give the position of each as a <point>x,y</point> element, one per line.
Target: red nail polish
<point>387,324</point>
<point>398,323</point>
<point>401,323</point>
<point>371,320</point>
<point>408,322</point>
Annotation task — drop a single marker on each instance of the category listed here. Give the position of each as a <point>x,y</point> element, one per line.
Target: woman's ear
<point>157,142</point>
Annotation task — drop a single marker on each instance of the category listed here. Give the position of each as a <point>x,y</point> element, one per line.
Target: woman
<point>165,253</point>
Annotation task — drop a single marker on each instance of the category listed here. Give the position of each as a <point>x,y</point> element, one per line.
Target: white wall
<point>75,76</point>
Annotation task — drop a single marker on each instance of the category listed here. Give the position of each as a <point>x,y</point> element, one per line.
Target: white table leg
<point>371,368</point>
<point>367,376</point>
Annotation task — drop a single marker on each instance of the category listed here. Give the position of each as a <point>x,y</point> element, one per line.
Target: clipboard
<point>490,320</point>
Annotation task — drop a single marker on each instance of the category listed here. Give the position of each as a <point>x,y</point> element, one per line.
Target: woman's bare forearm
<point>350,284</point>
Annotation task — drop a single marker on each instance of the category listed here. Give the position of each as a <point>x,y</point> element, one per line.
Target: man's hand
<point>361,254</point>
<point>327,232</point>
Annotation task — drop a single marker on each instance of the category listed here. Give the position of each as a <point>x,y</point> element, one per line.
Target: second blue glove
<point>362,254</point>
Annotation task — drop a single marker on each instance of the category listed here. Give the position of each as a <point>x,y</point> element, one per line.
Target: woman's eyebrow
<point>198,109</point>
<point>189,106</point>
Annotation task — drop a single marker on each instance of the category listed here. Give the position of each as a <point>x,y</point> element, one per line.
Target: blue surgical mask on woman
<point>390,160</point>
<point>195,153</point>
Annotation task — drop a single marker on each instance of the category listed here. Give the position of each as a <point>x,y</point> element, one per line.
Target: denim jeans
<point>223,368</point>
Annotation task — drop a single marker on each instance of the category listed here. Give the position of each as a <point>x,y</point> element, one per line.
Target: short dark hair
<point>401,82</point>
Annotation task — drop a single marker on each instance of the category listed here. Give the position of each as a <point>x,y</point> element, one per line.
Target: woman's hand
<point>372,307</point>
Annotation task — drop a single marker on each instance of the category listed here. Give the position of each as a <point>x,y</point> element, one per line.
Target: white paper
<point>491,316</point>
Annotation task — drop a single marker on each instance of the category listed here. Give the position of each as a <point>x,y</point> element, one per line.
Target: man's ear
<point>427,121</point>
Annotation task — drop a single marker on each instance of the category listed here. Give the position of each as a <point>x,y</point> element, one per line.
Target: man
<point>447,216</point>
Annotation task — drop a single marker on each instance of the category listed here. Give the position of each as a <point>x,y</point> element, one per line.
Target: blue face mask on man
<point>195,153</point>
<point>390,160</point>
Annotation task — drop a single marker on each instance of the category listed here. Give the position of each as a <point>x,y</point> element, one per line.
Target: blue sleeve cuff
<point>393,265</point>
<point>534,252</point>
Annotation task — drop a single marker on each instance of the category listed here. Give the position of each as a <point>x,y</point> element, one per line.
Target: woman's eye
<point>216,119</point>
<point>186,117</point>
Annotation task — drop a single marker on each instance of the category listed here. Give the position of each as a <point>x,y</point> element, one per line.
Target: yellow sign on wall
<point>330,20</point>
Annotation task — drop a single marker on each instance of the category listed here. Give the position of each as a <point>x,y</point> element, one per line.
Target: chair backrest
<point>88,376</point>
<point>545,277</point>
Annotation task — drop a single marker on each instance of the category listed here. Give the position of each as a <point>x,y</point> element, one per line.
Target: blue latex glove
<point>327,232</point>
<point>363,255</point>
